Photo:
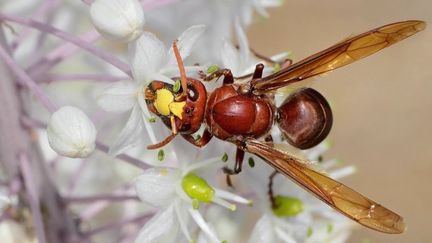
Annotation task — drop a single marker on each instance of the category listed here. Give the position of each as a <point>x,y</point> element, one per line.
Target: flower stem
<point>16,140</point>
<point>138,163</point>
<point>45,8</point>
<point>94,208</point>
<point>41,65</point>
<point>116,225</point>
<point>80,76</point>
<point>70,38</point>
<point>101,197</point>
<point>33,197</point>
<point>27,80</point>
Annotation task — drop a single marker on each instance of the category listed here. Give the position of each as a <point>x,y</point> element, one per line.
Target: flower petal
<point>118,97</point>
<point>182,218</point>
<point>260,8</point>
<point>197,217</point>
<point>161,228</point>
<point>342,172</point>
<point>271,3</point>
<point>121,20</point>
<point>285,236</point>
<point>229,56</point>
<point>243,44</point>
<point>157,186</point>
<point>131,134</point>
<point>185,43</point>
<point>147,55</point>
<point>231,196</point>
<point>263,231</point>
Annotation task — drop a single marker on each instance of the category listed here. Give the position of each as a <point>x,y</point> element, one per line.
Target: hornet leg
<point>237,167</point>
<point>205,139</point>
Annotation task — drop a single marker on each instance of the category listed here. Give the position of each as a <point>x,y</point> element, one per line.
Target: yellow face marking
<point>177,108</point>
<point>166,105</point>
<point>163,100</point>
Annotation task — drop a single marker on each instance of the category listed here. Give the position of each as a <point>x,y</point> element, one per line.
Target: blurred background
<point>382,104</point>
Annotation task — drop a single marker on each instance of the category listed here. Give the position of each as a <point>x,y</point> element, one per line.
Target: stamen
<point>231,196</point>
<point>224,203</point>
<point>314,153</point>
<point>283,235</point>
<point>197,217</point>
<point>327,164</point>
<point>342,172</point>
<point>182,222</point>
<point>201,164</point>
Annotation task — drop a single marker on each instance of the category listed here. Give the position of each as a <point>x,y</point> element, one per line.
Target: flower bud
<point>71,133</point>
<point>118,20</point>
<point>197,188</point>
<point>287,206</point>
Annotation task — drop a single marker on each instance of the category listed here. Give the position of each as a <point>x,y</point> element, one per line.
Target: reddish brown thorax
<point>231,114</point>
<point>188,113</point>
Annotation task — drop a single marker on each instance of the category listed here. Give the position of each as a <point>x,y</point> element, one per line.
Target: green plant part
<point>152,119</point>
<point>213,68</point>
<point>197,188</point>
<point>251,162</point>
<point>309,232</point>
<point>161,155</point>
<point>225,157</point>
<point>287,206</point>
<point>329,228</point>
<point>177,86</point>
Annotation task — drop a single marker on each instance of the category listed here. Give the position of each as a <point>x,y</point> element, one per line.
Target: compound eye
<point>305,118</point>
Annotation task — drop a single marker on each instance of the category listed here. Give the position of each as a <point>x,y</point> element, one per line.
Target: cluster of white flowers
<point>179,182</point>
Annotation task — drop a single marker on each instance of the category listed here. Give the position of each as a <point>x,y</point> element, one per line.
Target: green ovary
<point>197,188</point>
<point>287,206</point>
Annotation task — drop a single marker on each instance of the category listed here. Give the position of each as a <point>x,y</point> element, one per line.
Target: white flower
<point>240,60</point>
<point>179,193</point>
<point>119,20</point>
<point>149,61</point>
<point>217,15</point>
<point>71,133</point>
<point>260,6</point>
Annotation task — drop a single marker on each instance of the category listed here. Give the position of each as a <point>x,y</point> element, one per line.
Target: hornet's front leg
<point>205,139</point>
